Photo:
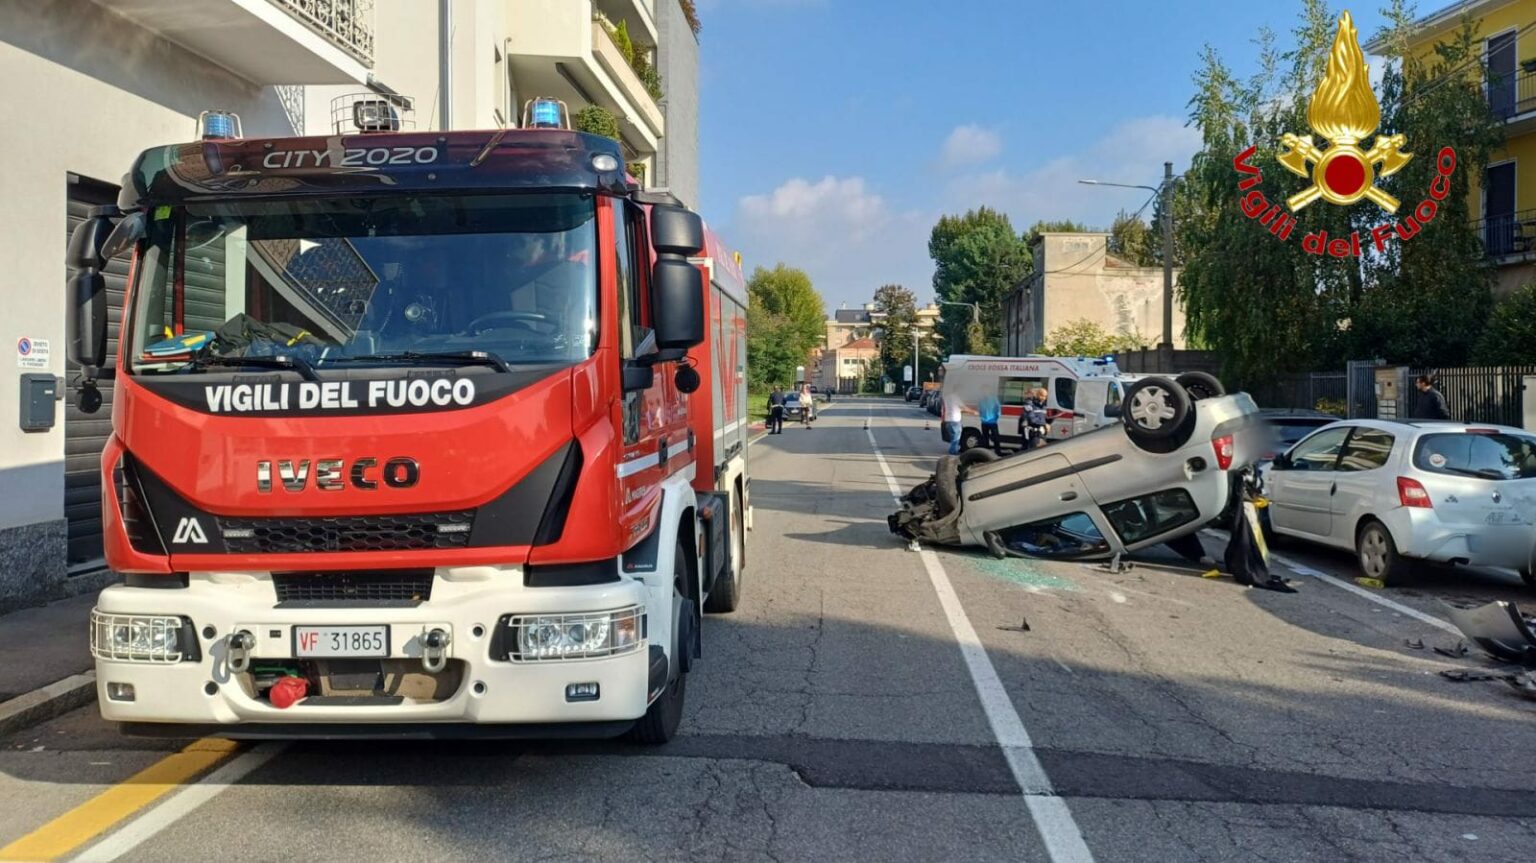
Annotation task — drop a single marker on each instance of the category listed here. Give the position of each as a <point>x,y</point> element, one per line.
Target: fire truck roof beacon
<point>546,114</point>
<point>217,125</point>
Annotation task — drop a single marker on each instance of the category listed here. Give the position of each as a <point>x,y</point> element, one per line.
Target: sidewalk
<point>51,644</point>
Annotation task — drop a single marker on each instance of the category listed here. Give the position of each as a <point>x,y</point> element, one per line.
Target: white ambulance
<point>1085,393</point>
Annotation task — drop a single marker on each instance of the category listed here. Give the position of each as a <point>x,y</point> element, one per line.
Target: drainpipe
<point>445,64</point>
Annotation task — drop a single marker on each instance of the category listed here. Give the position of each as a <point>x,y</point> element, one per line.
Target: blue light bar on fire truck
<point>218,125</point>
<point>543,113</point>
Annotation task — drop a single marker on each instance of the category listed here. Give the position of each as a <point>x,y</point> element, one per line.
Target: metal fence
<point>1483,394</point>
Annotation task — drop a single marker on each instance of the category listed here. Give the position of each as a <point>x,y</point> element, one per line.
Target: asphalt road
<point>872,703</point>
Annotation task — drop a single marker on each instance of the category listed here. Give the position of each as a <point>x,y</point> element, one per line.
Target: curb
<point>43,704</point>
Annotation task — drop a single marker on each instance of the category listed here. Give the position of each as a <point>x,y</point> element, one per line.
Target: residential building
<point>1506,204</point>
<point>1075,278</point>
<point>95,82</point>
<point>842,369</point>
<point>846,324</point>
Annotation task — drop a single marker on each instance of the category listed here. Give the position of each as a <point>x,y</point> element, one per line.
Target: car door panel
<point>1002,498</point>
<point>1362,474</point>
<point>1300,492</point>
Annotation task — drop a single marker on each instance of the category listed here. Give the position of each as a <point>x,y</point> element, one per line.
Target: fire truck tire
<point>661,719</point>
<point>726,594</point>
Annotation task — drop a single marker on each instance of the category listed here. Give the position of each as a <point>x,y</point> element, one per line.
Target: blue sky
<point>834,133</point>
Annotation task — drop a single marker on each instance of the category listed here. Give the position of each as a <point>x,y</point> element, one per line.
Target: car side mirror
<point>86,323</point>
<point>1281,462</point>
<point>638,378</point>
<point>676,231</point>
<point>1112,411</point>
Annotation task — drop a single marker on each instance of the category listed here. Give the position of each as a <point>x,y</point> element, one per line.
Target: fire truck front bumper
<point>482,652</point>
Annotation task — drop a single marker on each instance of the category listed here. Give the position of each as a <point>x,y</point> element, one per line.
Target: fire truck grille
<point>347,533</point>
<point>406,585</point>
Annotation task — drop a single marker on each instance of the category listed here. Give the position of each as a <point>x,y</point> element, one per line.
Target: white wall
<point>85,92</point>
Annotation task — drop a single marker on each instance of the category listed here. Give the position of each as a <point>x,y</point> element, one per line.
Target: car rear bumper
<point>1419,533</point>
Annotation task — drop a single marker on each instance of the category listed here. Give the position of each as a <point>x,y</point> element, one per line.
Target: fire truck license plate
<point>334,641</point>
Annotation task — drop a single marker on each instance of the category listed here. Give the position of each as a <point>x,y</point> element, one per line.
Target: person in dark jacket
<point>776,411</point>
<point>1431,404</point>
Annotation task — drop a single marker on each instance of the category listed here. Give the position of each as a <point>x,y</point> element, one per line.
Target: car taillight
<point>1224,449</point>
<point>1410,492</point>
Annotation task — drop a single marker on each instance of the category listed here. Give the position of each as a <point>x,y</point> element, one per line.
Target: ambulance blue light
<point>546,114</point>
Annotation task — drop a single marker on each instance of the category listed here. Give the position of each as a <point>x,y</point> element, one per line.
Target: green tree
<point>596,120</point>
<point>1085,338</point>
<point>977,259</point>
<point>1509,338</point>
<point>1131,240</point>
<point>785,320</point>
<point>899,307</point>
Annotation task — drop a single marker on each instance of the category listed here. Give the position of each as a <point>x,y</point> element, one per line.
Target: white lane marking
<point>178,805</point>
<point>1053,819</point>
<point>1303,569</point>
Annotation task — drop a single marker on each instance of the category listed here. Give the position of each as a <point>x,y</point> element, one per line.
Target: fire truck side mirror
<point>676,231</point>
<point>87,286</point>
<point>677,303</point>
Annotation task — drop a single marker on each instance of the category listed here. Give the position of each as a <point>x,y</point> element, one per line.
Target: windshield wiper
<point>463,358</point>
<point>305,370</point>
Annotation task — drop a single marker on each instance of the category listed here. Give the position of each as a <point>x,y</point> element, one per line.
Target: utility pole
<point>445,65</point>
<point>1167,217</point>
<point>917,350</point>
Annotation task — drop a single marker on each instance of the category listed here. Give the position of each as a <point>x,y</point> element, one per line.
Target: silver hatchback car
<point>1159,476</point>
<point>1392,491</point>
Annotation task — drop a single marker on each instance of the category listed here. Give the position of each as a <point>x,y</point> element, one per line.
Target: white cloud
<point>970,145</point>
<point>1133,152</point>
<point>842,233</point>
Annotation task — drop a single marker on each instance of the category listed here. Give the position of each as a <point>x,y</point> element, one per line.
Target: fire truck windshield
<point>394,280</point>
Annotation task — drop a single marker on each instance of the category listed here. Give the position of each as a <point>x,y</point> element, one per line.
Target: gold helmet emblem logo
<point>1344,111</point>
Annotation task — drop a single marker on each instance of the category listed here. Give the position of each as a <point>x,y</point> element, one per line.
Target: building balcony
<point>1513,100</point>
<point>1509,237</point>
<point>640,15</point>
<point>558,50</point>
<point>266,42</point>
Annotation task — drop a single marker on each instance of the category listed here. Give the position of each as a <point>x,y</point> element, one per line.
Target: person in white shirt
<point>952,412</point>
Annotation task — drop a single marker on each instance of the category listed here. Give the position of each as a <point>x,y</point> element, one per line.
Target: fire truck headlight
<point>136,638</point>
<point>576,636</point>
<point>604,162</point>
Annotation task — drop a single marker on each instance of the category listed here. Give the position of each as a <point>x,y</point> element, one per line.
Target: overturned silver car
<point>1161,474</point>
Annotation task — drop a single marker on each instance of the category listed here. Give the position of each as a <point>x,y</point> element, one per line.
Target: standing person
<point>807,405</point>
<point>952,411</point>
<point>991,413</point>
<point>776,411</point>
<point>1431,405</point>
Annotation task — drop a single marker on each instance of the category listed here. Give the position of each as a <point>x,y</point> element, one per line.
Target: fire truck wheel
<point>726,594</point>
<point>1155,409</point>
<point>659,724</point>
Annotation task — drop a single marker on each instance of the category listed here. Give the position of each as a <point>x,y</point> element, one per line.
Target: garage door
<point>85,435</point>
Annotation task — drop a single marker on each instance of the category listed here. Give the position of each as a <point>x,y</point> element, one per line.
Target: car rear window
<point>1496,456</point>
<point>1138,518</point>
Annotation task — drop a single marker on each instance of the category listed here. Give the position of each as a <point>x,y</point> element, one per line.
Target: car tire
<point>946,484</point>
<point>1200,385</point>
<point>1155,410</point>
<point>979,455</point>
<point>1376,554</point>
<point>725,593</point>
<point>970,439</point>
<point>661,719</point>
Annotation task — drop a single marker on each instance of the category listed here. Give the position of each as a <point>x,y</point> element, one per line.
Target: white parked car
<point>1393,491</point>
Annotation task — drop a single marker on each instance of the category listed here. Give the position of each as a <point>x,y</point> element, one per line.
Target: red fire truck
<point>436,433</point>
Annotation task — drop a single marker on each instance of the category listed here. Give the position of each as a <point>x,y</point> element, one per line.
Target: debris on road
<point>1500,629</point>
<point>1415,643</point>
<point>1456,652</point>
<point>1247,556</point>
<point>1022,627</point>
<point>1372,583</point>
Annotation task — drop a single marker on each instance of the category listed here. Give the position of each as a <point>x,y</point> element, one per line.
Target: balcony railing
<point>1512,95</point>
<point>1508,233</point>
<point>348,24</point>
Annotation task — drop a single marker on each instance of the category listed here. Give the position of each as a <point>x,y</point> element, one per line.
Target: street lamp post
<point>1165,193</point>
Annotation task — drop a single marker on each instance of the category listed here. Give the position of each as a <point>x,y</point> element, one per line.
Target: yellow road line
<point>95,816</point>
